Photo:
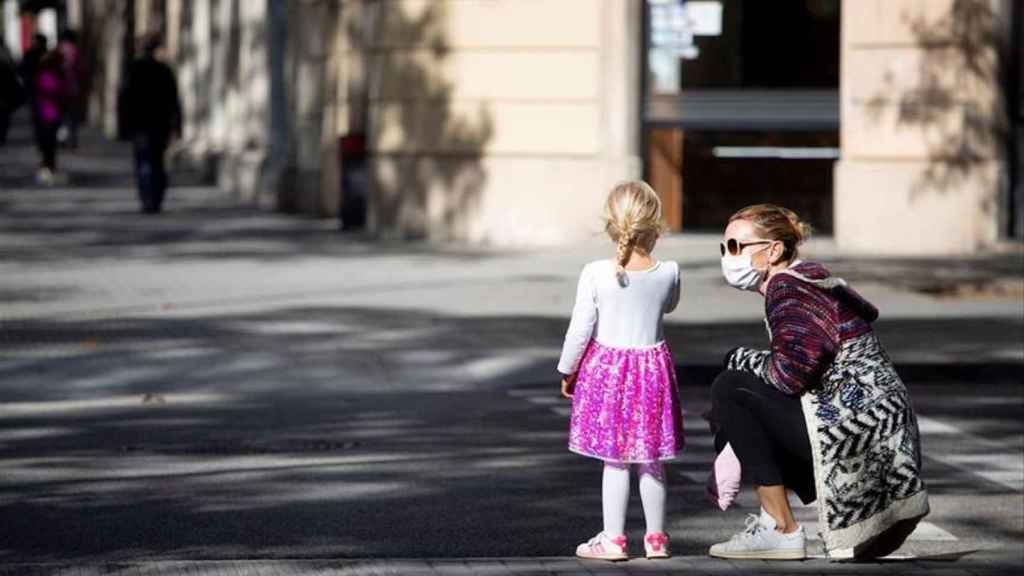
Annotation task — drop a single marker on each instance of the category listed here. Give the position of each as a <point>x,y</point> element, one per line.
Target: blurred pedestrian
<point>153,114</point>
<point>74,76</point>
<point>12,91</point>
<point>50,101</point>
<point>822,412</point>
<point>620,374</point>
<point>28,69</point>
<point>30,63</point>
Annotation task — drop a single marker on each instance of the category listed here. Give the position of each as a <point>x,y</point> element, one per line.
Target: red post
<point>28,29</point>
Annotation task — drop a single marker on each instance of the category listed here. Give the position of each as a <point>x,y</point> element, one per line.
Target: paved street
<point>217,390</point>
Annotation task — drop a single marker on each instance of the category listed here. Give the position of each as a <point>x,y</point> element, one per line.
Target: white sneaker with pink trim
<point>601,547</point>
<point>656,545</point>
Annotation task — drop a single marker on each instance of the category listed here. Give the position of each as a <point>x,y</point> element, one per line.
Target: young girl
<point>619,373</point>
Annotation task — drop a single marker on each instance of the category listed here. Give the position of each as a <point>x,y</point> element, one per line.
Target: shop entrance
<point>741,106</point>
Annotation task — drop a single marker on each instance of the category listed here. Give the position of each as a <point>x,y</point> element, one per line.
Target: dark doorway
<point>741,106</point>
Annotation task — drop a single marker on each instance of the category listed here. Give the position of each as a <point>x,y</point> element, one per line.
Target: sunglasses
<point>734,246</point>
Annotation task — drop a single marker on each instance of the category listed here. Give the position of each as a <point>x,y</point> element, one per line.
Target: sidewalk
<point>992,563</point>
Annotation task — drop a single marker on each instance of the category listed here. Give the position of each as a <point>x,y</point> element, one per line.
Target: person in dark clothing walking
<point>153,113</point>
<point>28,69</point>
<point>12,91</point>
<point>30,63</point>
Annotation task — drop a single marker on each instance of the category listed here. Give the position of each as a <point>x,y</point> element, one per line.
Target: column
<point>921,122</point>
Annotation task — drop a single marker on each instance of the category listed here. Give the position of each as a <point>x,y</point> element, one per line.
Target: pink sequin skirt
<point>626,405</point>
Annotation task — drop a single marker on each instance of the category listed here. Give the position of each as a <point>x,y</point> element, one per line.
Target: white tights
<point>615,496</point>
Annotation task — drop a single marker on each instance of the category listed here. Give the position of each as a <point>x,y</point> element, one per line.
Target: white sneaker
<point>761,541</point>
<point>601,547</point>
<point>44,177</point>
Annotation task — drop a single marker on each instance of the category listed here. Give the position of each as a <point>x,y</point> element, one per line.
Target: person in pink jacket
<point>50,100</point>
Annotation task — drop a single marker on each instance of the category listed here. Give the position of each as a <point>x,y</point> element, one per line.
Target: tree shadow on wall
<point>106,29</point>
<point>426,177</point>
<point>951,103</point>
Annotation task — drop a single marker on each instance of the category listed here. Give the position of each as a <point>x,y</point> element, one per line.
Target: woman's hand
<point>568,385</point>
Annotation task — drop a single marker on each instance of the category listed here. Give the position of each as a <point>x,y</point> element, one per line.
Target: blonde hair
<point>632,217</point>
<point>777,223</point>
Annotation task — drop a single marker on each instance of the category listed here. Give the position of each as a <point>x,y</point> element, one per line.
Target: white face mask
<point>740,273</point>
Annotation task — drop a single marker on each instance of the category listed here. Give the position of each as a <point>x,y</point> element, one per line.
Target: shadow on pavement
<point>356,432</point>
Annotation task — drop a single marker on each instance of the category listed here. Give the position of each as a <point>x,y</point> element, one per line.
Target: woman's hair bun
<point>805,231</point>
<point>777,223</point>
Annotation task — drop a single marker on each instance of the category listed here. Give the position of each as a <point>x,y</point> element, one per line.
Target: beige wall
<point>921,118</point>
<point>501,121</point>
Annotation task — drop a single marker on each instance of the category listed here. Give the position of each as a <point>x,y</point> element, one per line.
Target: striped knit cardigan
<point>864,435</point>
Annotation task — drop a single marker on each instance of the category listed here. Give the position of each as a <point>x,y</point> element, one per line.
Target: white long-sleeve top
<point>617,315</point>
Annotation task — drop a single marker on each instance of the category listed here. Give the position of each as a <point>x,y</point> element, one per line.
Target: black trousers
<point>150,174</point>
<point>766,430</point>
<point>46,141</point>
<point>5,123</point>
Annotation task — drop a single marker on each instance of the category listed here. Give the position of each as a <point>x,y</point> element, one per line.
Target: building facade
<point>891,124</point>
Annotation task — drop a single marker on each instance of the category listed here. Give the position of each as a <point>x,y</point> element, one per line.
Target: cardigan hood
<point>818,275</point>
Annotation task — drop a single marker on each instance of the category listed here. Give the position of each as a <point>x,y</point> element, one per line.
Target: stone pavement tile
<point>980,560</point>
<point>357,568</point>
<point>222,569</point>
<point>489,568</point>
<point>246,568</point>
<point>644,566</point>
<point>758,565</point>
<point>405,568</point>
<point>602,568</point>
<point>360,568</point>
<point>713,566</point>
<point>402,567</point>
<point>886,566</point>
<point>331,570</point>
<point>293,569</point>
<point>635,569</point>
<point>34,569</point>
<point>195,569</point>
<point>521,565</point>
<point>77,571</point>
<point>873,567</point>
<point>200,568</point>
<point>451,567</point>
<point>818,565</point>
<point>560,565</point>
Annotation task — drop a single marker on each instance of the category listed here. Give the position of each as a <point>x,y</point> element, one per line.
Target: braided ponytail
<point>632,216</point>
<point>623,250</point>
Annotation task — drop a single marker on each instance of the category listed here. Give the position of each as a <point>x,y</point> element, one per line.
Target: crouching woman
<point>822,412</point>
